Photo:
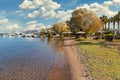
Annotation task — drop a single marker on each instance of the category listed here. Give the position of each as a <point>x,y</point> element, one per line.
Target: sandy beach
<point>77,69</point>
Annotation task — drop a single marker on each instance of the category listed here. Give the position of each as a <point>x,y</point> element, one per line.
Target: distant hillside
<point>31,31</point>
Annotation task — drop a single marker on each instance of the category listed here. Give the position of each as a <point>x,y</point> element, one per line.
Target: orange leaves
<point>60,27</point>
<point>86,20</point>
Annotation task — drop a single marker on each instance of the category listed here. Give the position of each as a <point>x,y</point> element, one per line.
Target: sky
<point>22,15</point>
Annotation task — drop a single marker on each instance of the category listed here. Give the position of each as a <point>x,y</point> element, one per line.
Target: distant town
<point>30,33</point>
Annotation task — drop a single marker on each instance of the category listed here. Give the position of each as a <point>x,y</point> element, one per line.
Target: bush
<point>97,35</point>
<point>117,36</point>
<point>81,39</point>
<point>109,35</point>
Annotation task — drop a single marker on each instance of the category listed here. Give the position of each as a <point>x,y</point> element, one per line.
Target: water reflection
<point>50,41</point>
<point>21,59</point>
<point>30,39</point>
<point>56,44</point>
<point>60,66</point>
<point>43,38</point>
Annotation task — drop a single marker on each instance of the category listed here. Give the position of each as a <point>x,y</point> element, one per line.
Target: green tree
<point>111,20</point>
<point>117,19</point>
<point>104,20</point>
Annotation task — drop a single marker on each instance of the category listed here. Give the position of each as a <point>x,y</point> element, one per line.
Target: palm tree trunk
<point>109,25</point>
<point>118,25</point>
<point>113,25</point>
<point>105,26</point>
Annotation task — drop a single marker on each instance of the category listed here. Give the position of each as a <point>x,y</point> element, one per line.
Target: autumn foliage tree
<point>60,27</point>
<point>42,31</point>
<point>84,20</point>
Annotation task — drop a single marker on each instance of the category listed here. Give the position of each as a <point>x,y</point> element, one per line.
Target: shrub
<point>81,39</point>
<point>109,35</point>
<point>97,35</point>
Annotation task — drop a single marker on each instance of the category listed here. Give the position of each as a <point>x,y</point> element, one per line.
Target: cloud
<point>34,25</point>
<point>42,8</point>
<point>31,22</point>
<point>18,11</point>
<point>14,26</point>
<point>43,13</point>
<point>46,9</point>
<point>64,15</point>
<point>47,13</point>
<point>108,3</point>
<point>6,25</point>
<point>100,9</point>
<point>112,3</point>
<point>28,4</point>
<point>33,15</point>
<point>4,21</point>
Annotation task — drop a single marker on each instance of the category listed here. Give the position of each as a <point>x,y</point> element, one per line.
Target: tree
<point>50,33</point>
<point>42,31</point>
<point>114,22</point>
<point>117,19</point>
<point>84,20</point>
<point>111,20</point>
<point>60,27</point>
<point>104,20</point>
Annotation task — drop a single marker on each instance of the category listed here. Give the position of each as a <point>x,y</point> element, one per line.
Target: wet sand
<point>60,69</point>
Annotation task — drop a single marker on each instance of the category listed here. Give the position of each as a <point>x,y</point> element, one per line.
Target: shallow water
<point>29,58</point>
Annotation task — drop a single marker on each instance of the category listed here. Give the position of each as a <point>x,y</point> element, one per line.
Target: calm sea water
<point>27,58</point>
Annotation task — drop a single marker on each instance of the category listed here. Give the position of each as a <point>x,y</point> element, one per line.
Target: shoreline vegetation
<point>93,59</point>
<point>101,58</point>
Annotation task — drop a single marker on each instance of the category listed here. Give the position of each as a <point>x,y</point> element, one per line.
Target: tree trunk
<point>105,26</point>
<point>118,25</point>
<point>109,25</point>
<point>113,25</point>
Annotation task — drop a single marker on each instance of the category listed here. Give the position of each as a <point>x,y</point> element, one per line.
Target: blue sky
<point>24,15</point>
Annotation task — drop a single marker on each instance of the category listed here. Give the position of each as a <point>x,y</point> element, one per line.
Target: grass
<point>116,41</point>
<point>103,62</point>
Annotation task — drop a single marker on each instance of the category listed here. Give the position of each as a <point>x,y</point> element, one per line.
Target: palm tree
<point>111,20</point>
<point>104,19</point>
<point>119,15</point>
<point>118,19</point>
<point>114,22</point>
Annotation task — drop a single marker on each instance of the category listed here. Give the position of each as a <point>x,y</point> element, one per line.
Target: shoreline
<point>60,69</point>
<point>77,68</point>
<point>72,69</point>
